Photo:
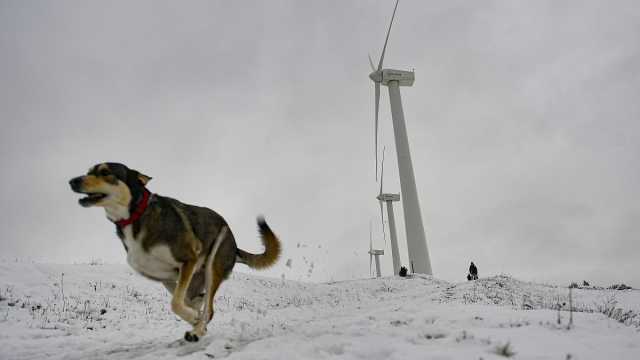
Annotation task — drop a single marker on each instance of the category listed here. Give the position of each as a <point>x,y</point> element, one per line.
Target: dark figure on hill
<point>468,277</point>
<point>403,271</point>
<point>473,271</point>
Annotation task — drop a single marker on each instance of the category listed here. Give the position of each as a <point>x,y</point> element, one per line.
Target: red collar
<point>142,206</point>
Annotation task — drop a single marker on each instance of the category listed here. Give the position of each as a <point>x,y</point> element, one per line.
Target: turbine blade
<point>370,263</point>
<point>384,234</point>
<point>370,237</point>
<point>373,68</point>
<point>382,170</point>
<point>387,39</point>
<point>370,248</point>
<point>377,86</point>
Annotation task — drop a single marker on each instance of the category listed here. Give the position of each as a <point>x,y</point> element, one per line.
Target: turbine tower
<point>389,199</point>
<point>419,261</point>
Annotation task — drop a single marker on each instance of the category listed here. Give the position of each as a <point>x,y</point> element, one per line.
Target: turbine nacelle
<point>388,197</point>
<point>384,76</point>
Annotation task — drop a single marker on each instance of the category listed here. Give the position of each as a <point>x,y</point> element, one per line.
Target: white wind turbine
<point>374,253</point>
<point>416,242</point>
<point>389,199</point>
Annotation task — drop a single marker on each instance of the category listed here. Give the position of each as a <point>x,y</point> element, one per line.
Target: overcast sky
<point>523,126</point>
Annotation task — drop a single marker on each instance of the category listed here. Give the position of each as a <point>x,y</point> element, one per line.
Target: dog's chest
<point>157,262</point>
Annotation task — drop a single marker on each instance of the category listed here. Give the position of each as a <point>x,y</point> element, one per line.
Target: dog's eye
<point>104,172</point>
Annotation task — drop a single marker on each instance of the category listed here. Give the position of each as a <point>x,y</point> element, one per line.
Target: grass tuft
<point>504,350</point>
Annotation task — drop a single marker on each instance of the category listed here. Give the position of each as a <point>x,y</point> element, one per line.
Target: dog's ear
<point>144,179</point>
<point>134,176</point>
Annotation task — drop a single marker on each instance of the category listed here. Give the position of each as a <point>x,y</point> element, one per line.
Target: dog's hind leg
<point>178,305</point>
<point>214,275</point>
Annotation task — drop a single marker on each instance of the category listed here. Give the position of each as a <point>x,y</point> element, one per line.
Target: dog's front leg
<point>178,305</point>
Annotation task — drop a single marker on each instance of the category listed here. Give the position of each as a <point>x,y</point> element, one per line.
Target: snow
<point>109,312</point>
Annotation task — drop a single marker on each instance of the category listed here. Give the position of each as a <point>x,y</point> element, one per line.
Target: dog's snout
<point>75,183</point>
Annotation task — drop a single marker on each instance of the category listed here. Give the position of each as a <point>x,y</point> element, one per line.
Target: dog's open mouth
<point>91,199</point>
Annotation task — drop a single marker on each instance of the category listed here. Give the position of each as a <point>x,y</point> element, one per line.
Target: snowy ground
<point>108,312</point>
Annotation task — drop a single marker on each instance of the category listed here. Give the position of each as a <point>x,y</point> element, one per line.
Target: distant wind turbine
<point>389,199</point>
<point>374,253</point>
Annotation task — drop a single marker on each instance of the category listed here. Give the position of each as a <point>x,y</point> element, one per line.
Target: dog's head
<point>109,185</point>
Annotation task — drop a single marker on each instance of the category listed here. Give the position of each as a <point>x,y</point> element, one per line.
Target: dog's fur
<point>190,249</point>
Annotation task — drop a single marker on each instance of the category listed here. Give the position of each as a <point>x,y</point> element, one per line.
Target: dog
<point>189,249</point>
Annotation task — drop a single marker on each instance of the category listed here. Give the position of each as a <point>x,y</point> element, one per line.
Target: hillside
<point>108,312</point>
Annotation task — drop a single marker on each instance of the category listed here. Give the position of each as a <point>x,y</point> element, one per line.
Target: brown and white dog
<point>190,249</point>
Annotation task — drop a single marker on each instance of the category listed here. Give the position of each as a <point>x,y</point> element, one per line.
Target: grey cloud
<point>523,126</point>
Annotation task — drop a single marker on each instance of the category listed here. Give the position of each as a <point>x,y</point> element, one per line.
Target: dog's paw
<point>190,336</point>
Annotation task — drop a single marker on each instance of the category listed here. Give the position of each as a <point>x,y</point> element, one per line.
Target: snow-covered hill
<point>108,312</point>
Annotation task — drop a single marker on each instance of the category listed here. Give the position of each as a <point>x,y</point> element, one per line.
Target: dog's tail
<point>271,249</point>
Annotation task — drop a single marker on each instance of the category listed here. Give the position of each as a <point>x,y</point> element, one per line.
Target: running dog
<point>189,249</point>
